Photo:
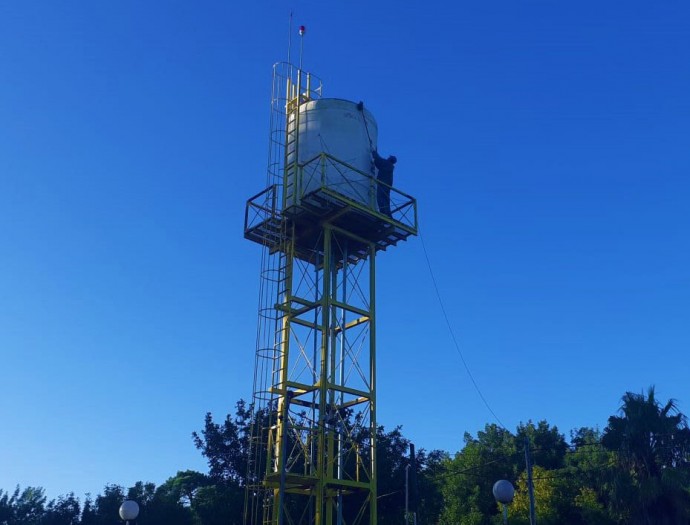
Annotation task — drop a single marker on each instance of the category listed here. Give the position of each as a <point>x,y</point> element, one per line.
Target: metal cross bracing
<point>313,438</point>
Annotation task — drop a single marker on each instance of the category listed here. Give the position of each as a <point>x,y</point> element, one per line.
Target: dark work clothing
<point>385,181</point>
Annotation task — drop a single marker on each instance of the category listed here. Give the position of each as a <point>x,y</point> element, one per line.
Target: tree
<point>166,508</point>
<point>551,494</point>
<point>23,507</point>
<point>547,445</point>
<point>88,512</point>
<point>143,494</point>
<point>590,509</point>
<point>466,484</point>
<point>652,442</point>
<point>184,486</point>
<point>391,461</point>
<point>176,499</point>
<point>6,509</point>
<point>219,504</point>
<point>63,511</point>
<point>430,469</point>
<point>226,445</point>
<point>591,469</point>
<point>106,507</point>
<point>156,506</point>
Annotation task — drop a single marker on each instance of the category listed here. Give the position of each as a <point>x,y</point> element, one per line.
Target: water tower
<point>321,224</point>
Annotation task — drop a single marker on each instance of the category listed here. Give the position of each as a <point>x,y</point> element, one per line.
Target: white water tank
<point>339,128</point>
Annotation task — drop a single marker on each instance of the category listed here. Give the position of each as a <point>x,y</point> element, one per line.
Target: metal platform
<point>303,223</point>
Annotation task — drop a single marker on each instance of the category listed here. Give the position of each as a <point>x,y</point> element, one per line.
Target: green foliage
<point>23,507</point>
<point>219,498</point>
<point>547,445</point>
<point>551,494</point>
<point>636,472</point>
<point>184,486</point>
<point>226,445</point>
<point>169,504</point>
<point>5,507</point>
<point>89,515</point>
<point>468,479</point>
<point>107,505</point>
<point>430,466</point>
<point>652,445</point>
<point>590,468</point>
<point>63,511</point>
<point>219,505</point>
<point>590,509</point>
<point>392,456</point>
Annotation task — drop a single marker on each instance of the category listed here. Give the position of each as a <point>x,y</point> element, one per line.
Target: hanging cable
<point>452,335</point>
<point>360,107</point>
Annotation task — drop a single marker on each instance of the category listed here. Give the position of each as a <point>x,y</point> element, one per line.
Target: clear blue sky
<point>546,142</point>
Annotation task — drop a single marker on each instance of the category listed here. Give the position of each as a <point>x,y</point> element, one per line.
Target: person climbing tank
<point>384,178</point>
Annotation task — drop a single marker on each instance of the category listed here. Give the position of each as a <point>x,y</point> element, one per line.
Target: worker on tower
<point>384,181</point>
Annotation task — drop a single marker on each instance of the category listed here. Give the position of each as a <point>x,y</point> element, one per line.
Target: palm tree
<point>652,442</point>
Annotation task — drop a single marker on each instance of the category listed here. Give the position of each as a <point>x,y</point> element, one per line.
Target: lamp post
<point>504,492</point>
<point>129,510</point>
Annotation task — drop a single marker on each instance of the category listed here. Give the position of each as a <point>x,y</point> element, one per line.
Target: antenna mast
<point>289,36</point>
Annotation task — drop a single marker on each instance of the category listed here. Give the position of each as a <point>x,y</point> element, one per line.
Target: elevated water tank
<point>340,129</point>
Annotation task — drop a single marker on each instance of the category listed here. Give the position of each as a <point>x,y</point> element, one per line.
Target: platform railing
<point>333,183</point>
<point>326,174</point>
<point>262,208</point>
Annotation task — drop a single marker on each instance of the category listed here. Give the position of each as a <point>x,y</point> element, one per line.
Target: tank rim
<point>316,101</point>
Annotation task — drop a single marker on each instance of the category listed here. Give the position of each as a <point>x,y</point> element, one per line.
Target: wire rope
<point>452,335</point>
<point>360,107</point>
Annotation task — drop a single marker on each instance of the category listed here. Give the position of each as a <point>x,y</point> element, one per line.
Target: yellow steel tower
<point>321,222</point>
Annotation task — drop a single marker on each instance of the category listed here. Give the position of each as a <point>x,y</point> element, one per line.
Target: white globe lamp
<point>129,510</point>
<point>504,492</point>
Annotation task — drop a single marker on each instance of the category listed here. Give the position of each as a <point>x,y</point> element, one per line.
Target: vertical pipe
<point>530,484</point>
<point>314,430</point>
<point>372,382</point>
<point>295,168</point>
<point>341,378</point>
<point>283,398</point>
<point>407,493</point>
<point>318,274</point>
<point>319,517</point>
<point>284,416</point>
<point>286,167</point>
<point>413,482</point>
<point>331,461</point>
<point>301,46</point>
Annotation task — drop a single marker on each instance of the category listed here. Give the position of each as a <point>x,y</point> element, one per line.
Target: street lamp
<point>504,492</point>
<point>129,510</point>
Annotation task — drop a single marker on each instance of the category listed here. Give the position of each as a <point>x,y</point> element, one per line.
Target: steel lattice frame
<point>313,443</point>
